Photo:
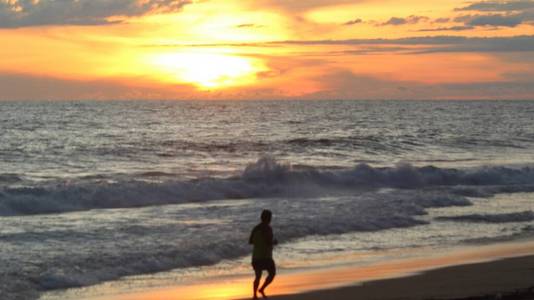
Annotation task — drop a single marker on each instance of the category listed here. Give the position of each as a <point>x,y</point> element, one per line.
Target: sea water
<point>95,191</point>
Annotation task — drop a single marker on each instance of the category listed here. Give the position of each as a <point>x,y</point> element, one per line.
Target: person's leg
<point>270,277</point>
<point>256,284</point>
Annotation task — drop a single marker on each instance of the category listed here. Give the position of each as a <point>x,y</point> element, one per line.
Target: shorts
<point>264,264</point>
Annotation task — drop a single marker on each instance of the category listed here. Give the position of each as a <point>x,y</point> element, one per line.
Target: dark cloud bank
<point>24,13</point>
<point>497,13</point>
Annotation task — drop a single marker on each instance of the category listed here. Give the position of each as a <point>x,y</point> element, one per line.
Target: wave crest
<point>264,178</point>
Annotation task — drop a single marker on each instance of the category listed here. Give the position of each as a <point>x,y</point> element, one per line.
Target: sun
<point>206,70</point>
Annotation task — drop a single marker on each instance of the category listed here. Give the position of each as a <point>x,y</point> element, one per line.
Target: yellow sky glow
<point>207,70</point>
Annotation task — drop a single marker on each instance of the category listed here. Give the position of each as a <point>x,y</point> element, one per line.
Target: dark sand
<point>510,278</point>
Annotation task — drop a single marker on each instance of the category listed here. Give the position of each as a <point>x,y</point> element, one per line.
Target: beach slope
<point>510,278</point>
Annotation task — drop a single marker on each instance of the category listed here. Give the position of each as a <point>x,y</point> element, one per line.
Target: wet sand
<point>503,279</point>
<point>462,273</point>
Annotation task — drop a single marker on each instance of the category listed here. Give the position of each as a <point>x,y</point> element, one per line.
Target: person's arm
<point>251,236</point>
<point>271,241</point>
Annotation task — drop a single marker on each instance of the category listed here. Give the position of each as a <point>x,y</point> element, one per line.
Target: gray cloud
<point>451,28</point>
<point>437,44</point>
<point>429,44</point>
<point>495,44</point>
<point>23,13</point>
<point>395,21</point>
<point>498,6</point>
<point>441,20</point>
<point>353,22</point>
<point>498,13</point>
<point>29,87</point>
<point>429,40</point>
<point>491,20</point>
<point>348,85</point>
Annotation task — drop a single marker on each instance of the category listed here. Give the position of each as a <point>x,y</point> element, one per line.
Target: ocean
<point>92,192</point>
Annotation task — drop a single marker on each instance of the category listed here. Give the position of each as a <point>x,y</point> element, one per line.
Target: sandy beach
<point>511,278</point>
<point>467,272</point>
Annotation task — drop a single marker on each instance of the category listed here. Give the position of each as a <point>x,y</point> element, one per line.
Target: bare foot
<point>262,292</point>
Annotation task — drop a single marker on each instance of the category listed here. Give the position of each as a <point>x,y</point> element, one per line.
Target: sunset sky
<point>266,49</point>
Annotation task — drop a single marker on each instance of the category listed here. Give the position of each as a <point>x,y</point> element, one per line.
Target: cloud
<point>498,20</point>
<point>433,44</point>
<point>348,85</point>
<point>395,21</point>
<point>441,20</point>
<point>249,25</point>
<point>428,44</point>
<point>301,5</point>
<point>353,22</point>
<point>24,13</point>
<point>343,84</point>
<point>446,43</point>
<point>498,6</point>
<point>31,87</point>
<point>498,13</point>
<point>451,28</point>
<point>492,44</point>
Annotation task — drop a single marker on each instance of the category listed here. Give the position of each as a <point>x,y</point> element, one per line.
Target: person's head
<point>266,216</point>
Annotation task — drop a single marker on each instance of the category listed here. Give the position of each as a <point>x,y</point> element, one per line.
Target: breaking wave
<point>524,216</point>
<point>264,178</point>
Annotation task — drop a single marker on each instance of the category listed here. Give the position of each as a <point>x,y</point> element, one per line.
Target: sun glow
<point>206,70</point>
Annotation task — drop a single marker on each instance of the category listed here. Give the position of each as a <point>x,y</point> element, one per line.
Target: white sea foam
<point>523,216</point>
<point>265,178</point>
<point>108,244</point>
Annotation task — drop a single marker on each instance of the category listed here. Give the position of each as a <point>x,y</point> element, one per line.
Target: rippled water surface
<point>42,140</point>
<point>94,191</point>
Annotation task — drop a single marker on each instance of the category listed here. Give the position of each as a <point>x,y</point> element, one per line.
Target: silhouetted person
<point>262,254</point>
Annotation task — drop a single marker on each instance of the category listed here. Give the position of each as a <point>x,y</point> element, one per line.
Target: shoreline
<point>433,277</point>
